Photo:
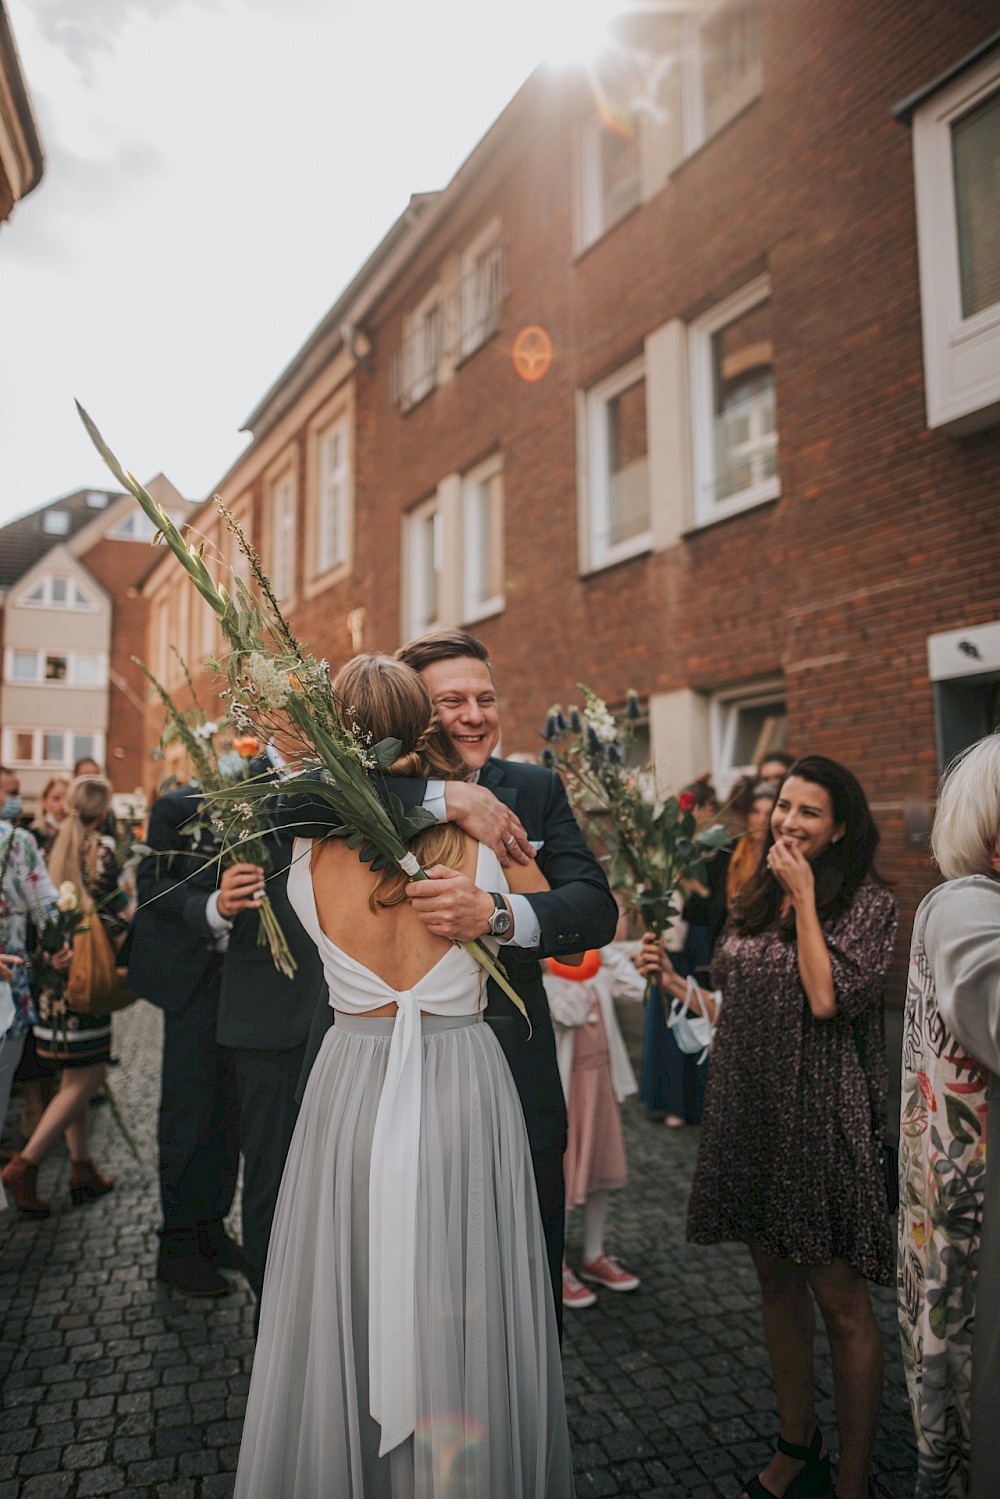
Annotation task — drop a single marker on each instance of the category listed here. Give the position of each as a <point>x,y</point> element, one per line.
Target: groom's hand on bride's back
<point>450,904</point>
<point>484,817</point>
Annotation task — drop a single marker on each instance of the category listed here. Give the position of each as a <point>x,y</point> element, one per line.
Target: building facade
<point>71,617</point>
<point>688,383</point>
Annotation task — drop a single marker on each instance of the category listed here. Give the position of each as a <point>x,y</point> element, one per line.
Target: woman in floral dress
<point>25,891</point>
<point>790,1161</point>
<point>949,1242</point>
<point>79,1044</point>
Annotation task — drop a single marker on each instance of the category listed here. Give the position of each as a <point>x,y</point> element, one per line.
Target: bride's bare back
<point>391,940</point>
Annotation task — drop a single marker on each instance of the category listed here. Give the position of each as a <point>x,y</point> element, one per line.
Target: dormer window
<point>55,523</point>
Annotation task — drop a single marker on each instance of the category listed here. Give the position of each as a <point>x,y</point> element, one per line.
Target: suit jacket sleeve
<point>579,911</point>
<point>170,882</point>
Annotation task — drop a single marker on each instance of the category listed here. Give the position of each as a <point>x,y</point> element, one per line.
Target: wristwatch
<point>501,921</point>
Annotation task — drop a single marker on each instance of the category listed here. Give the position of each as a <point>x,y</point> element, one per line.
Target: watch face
<point>500,923</point>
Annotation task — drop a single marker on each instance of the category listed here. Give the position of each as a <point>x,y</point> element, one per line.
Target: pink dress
<point>595,1153</point>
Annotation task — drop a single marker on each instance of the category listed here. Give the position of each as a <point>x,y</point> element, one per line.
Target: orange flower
<point>247,746</point>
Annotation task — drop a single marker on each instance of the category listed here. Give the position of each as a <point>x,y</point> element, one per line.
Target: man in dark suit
<point>235,1034</point>
<point>517,810</point>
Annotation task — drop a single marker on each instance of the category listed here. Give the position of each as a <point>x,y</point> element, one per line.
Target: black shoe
<point>220,1251</point>
<point>191,1275</point>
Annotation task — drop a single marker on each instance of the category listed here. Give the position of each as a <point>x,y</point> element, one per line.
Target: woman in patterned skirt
<point>791,1155</point>
<point>79,1044</point>
<point>949,1238</point>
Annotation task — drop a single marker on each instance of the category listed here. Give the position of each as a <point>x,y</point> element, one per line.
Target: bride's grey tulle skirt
<point>491,1418</point>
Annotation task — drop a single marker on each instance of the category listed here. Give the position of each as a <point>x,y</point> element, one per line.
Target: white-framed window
<point>747,724</point>
<point>735,433</point>
<point>610,175</point>
<point>55,668</point>
<point>956,158</point>
<point>482,539</point>
<point>721,70</point>
<point>482,288</point>
<point>136,526</point>
<point>56,592</point>
<point>22,666</point>
<point>281,520</point>
<point>424,565</point>
<point>55,522</point>
<point>422,348</point>
<point>52,749</point>
<point>617,451</point>
<point>333,473</point>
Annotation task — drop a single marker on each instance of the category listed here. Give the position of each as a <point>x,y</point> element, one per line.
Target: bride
<point>408,1345</point>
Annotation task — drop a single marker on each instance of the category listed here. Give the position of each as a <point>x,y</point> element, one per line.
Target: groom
<point>505,805</point>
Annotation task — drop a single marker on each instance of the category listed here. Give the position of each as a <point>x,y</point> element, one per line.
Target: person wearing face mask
<point>53,813</point>
<point>791,1158</point>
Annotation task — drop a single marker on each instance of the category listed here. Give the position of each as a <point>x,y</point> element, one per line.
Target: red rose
<point>686,802</point>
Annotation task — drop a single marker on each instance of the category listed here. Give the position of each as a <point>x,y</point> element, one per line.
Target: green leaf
<point>386,752</point>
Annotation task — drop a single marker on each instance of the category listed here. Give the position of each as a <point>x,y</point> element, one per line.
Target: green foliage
<point>650,846</point>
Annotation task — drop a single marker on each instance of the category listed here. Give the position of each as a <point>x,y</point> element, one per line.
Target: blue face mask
<point>10,808</point>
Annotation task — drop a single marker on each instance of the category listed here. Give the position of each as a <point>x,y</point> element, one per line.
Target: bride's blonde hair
<point>389,700</point>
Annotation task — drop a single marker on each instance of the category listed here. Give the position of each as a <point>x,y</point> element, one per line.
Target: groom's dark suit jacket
<point>171,943</point>
<point>578,912</point>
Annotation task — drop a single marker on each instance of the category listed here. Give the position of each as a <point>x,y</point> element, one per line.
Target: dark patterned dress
<point>61,1035</point>
<point>790,1152</point>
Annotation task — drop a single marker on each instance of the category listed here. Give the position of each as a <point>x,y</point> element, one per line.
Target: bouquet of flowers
<point>211,835</point>
<point>652,846</point>
<point>277,690</point>
<point>63,921</point>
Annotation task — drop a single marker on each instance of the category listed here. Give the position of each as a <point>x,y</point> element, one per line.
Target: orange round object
<point>532,353</point>
<point>576,972</point>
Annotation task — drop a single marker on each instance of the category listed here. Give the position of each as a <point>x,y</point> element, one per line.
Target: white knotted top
<point>454,986</point>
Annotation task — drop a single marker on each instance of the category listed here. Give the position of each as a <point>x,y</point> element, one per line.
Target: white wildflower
<point>597,717</point>
<point>66,900</point>
<point>268,681</point>
<point>206,730</point>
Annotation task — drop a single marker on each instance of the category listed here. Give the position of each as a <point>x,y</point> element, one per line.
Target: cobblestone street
<point>114,1385</point>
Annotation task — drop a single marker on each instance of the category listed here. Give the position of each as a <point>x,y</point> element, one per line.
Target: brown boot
<point>20,1177</point>
<point>86,1183</point>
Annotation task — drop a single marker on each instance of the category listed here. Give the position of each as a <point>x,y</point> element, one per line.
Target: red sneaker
<point>605,1271</point>
<point>575,1295</point>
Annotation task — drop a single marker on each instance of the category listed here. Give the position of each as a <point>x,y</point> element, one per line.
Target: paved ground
<point>113,1385</point>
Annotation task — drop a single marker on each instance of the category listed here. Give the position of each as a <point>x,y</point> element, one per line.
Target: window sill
<point>640,546</point>
<point>721,520</point>
<point>338,573</point>
<point>486,611</point>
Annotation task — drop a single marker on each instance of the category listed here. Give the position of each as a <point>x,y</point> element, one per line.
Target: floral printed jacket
<point>26,891</point>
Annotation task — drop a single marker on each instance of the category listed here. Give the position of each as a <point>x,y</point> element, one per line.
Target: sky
<point>216,172</point>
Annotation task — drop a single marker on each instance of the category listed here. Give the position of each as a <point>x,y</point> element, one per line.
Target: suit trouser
<point>266,1083</point>
<point>199,1148</point>
<point>550,1184</point>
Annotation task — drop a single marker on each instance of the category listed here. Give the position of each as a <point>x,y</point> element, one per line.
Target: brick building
<point>758,480</point>
<point>72,615</point>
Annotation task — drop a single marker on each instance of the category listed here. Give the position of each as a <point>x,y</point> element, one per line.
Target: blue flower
<point>633,708</point>
<point>548,759</point>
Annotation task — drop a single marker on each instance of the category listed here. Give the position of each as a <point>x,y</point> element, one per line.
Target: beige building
<point>71,619</point>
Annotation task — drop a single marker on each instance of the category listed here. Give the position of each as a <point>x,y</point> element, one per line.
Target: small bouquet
<point>277,690</point>
<point>57,931</point>
<point>227,843</point>
<point>652,846</point>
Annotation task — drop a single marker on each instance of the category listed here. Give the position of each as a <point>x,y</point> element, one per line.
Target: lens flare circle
<point>444,1438</point>
<point>532,353</point>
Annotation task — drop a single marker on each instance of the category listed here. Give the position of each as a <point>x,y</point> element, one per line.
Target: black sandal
<point>814,1482</point>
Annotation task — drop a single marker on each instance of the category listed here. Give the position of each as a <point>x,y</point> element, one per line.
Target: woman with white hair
<point>949,1233</point>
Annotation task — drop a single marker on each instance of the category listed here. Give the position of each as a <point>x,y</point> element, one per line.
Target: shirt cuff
<point>219,925</point>
<point>434,801</point>
<point>527,929</point>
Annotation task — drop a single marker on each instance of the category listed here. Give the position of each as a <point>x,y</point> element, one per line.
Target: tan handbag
<point>96,985</point>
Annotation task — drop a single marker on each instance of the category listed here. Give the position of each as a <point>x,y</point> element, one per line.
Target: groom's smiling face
<point>463,693</point>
